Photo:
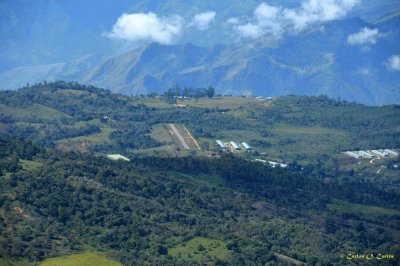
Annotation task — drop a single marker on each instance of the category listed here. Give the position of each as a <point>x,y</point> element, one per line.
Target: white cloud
<point>249,30</point>
<point>233,21</point>
<point>363,37</point>
<point>316,11</point>
<point>275,20</point>
<point>264,13</point>
<point>147,27</point>
<point>202,20</point>
<point>394,62</point>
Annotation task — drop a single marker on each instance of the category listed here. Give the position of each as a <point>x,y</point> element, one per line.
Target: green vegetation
<point>34,111</point>
<point>176,207</point>
<point>83,259</point>
<point>343,207</point>
<point>29,165</point>
<point>201,250</point>
<point>16,263</point>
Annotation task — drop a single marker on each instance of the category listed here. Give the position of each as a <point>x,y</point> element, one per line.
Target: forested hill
<point>54,112</point>
<point>60,194</point>
<point>56,203</point>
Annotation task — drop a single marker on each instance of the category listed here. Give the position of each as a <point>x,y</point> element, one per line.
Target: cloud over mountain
<point>364,37</point>
<point>275,20</point>
<point>394,62</point>
<point>147,27</point>
<point>202,20</point>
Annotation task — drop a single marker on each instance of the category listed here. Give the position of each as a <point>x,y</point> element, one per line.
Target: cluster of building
<point>371,153</point>
<point>233,145</point>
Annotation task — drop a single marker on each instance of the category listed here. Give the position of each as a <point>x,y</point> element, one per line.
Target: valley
<point>242,132</point>
<point>177,205</point>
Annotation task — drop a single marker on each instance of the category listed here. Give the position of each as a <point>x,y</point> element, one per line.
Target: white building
<point>274,164</point>
<point>379,153</point>
<point>221,144</point>
<point>246,146</point>
<point>366,154</point>
<point>391,152</point>
<point>353,154</point>
<point>235,145</point>
<point>117,157</point>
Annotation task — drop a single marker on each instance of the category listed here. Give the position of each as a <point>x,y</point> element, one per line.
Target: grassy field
<point>289,142</point>
<point>29,165</point>
<point>153,102</point>
<point>83,259</point>
<point>199,179</point>
<point>160,132</point>
<point>342,206</point>
<point>222,102</point>
<point>201,250</point>
<point>83,142</point>
<point>36,110</point>
<point>16,263</point>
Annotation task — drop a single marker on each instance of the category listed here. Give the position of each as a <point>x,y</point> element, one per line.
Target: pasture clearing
<point>83,259</point>
<point>29,165</point>
<point>201,250</point>
<point>82,143</point>
<point>33,111</point>
<point>225,102</point>
<point>342,206</point>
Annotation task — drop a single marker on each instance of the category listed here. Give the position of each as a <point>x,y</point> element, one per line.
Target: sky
<point>266,20</point>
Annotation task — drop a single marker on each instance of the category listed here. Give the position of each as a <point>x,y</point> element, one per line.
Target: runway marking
<point>195,142</point>
<point>181,139</point>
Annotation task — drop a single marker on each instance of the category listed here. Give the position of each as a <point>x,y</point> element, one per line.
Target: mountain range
<point>315,61</point>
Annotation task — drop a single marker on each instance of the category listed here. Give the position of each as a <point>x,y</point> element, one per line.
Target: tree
<point>210,92</point>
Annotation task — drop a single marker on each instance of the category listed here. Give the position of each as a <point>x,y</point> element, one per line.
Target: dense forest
<point>143,208</point>
<point>60,194</point>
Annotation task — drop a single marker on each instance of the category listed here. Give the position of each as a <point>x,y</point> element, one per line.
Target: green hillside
<point>60,194</point>
<point>83,259</point>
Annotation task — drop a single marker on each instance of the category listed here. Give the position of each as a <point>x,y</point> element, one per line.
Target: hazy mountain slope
<point>45,32</point>
<point>72,70</point>
<point>315,62</point>
<point>51,31</point>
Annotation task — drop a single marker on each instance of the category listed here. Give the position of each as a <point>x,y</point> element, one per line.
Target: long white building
<point>235,145</point>
<point>221,144</point>
<point>379,153</point>
<point>366,154</point>
<point>391,152</point>
<point>246,146</point>
<point>353,154</point>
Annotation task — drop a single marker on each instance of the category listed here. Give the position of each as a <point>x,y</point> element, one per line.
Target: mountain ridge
<point>315,62</point>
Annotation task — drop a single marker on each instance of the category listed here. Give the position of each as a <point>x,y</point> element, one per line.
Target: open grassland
<point>225,102</point>
<point>83,259</point>
<point>36,110</point>
<point>289,142</point>
<point>220,102</point>
<point>198,179</point>
<point>94,122</point>
<point>152,102</point>
<point>102,137</point>
<point>201,250</point>
<point>76,92</point>
<point>160,133</point>
<point>16,263</point>
<point>29,165</point>
<point>342,206</point>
